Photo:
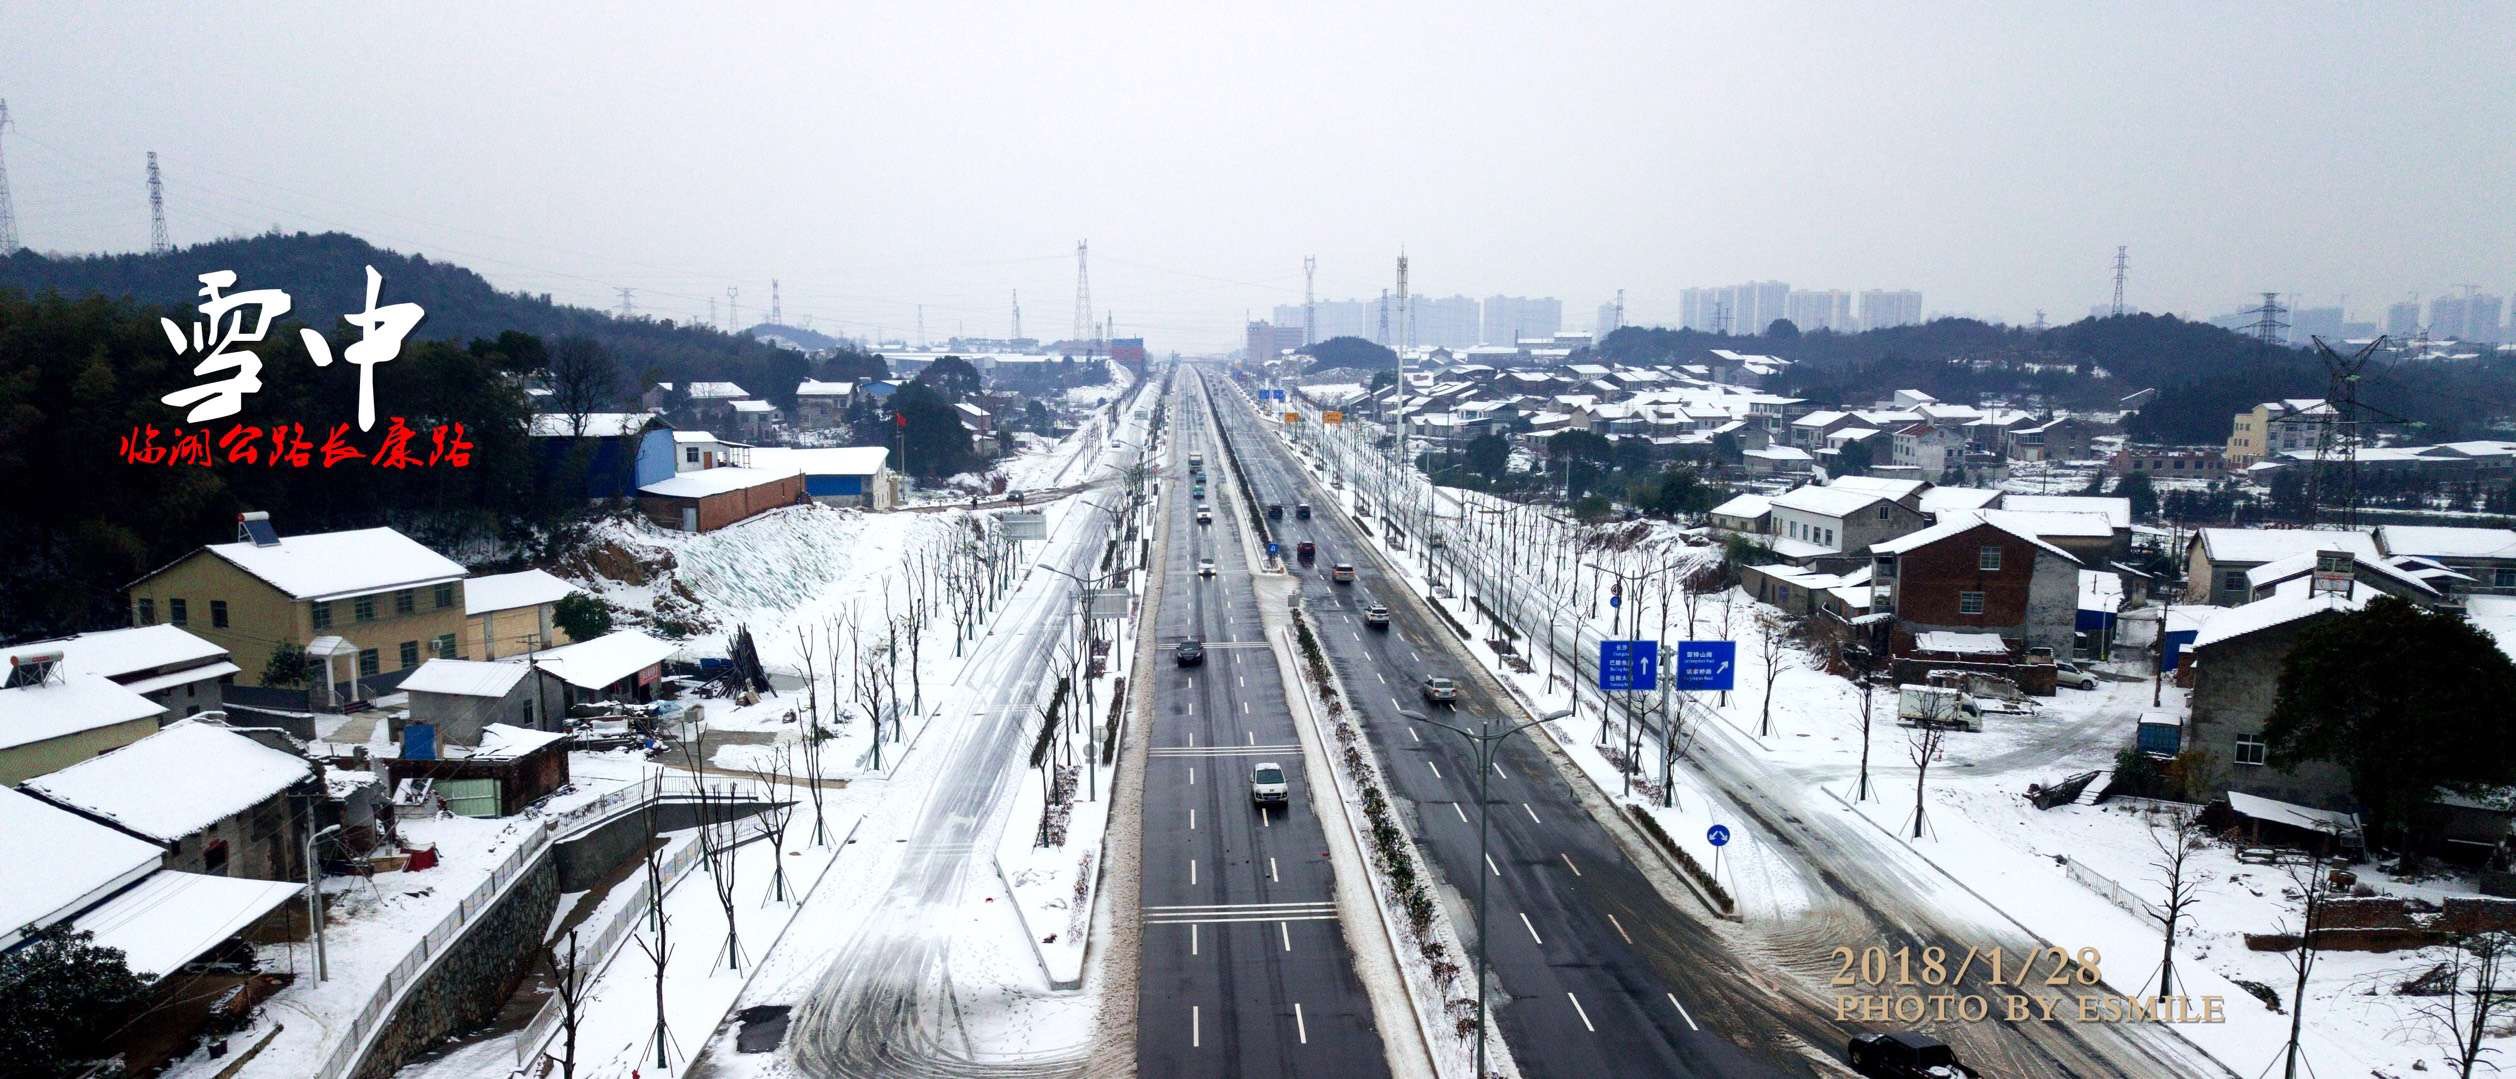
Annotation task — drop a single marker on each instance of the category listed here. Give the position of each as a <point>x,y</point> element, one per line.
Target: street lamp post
<point>1487,741</point>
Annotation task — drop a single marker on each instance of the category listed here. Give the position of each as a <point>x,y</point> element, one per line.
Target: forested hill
<point>2204,374</point>
<point>324,273</point>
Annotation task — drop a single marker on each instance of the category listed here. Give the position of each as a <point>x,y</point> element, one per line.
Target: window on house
<point>148,611</point>
<point>1969,603</point>
<point>690,456</point>
<point>322,614</point>
<point>2233,581</point>
<point>218,613</point>
<point>405,601</point>
<point>410,654</point>
<point>214,857</point>
<point>369,663</point>
<point>2506,578</point>
<point>2249,749</point>
<point>364,608</point>
<point>443,646</point>
<point>177,612</point>
<point>1882,513</point>
<point>445,596</point>
<point>1987,558</point>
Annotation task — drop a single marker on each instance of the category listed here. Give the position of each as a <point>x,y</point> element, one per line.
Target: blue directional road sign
<point>1718,835</point>
<point>1629,665</point>
<point>1707,665</point>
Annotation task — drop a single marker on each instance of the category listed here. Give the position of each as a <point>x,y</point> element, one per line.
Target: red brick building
<point>1970,574</point>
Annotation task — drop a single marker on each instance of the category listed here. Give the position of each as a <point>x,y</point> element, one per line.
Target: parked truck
<point>1196,464</point>
<point>1938,706</point>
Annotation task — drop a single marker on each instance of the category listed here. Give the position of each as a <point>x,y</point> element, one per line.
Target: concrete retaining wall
<point>471,981</point>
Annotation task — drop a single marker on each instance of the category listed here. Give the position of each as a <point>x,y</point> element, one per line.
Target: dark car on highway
<point>1306,551</point>
<point>1905,1055</point>
<point>1275,511</point>
<point>1302,510</point>
<point>1190,653</point>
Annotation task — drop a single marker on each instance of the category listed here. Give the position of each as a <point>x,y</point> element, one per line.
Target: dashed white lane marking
<point>1285,930</point>
<point>1384,679</point>
<point>1428,763</point>
<point>1243,681</point>
<point>1411,734</point>
<point>1498,770</point>
<point>1192,736</point>
<point>1620,931</point>
<point>1463,814</point>
<point>1490,867</point>
<point>1192,776</point>
<point>1196,1028</point>
<point>1578,1009</point>
<point>1395,706</point>
<point>1253,737</point>
<point>1532,927</point>
<point>1681,1012</point>
<point>1271,870</point>
<point>1192,938</point>
<point>1533,814</point>
<point>1192,871</point>
<point>1192,820</point>
<point>1300,1029</point>
<point>1568,864</point>
<point>1244,707</point>
<point>1266,817</point>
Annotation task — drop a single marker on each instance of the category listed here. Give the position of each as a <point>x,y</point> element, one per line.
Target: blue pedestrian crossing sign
<point>1629,665</point>
<point>1718,835</point>
<point>1707,665</point>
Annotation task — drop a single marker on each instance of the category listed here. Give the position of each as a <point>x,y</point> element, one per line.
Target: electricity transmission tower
<point>1310,272</point>
<point>159,244</point>
<point>8,211</point>
<point>1384,317</point>
<point>734,307</point>
<point>1083,291</point>
<point>777,304</point>
<point>628,301</point>
<point>2268,327</point>
<point>2339,433</point>
<point>1406,322</point>
<point>2122,266</point>
<point>1017,316</point>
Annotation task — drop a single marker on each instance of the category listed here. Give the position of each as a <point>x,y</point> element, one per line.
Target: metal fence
<point>2113,893</point>
<point>623,921</point>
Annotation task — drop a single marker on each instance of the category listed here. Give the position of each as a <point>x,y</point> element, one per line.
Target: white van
<point>1938,706</point>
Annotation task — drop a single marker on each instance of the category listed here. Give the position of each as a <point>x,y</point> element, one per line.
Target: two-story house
<point>2274,428</point>
<point>821,406</point>
<point>2217,559</point>
<point>1812,521</point>
<point>1928,448</point>
<point>1976,574</point>
<point>372,595</point>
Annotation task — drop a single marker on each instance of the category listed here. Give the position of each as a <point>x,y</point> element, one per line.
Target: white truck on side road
<point>1938,706</point>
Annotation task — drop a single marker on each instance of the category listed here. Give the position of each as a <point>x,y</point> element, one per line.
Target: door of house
<point>470,797</point>
<point>690,518</point>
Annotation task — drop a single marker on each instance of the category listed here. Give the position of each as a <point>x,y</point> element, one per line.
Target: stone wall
<point>474,976</point>
<point>589,856</point>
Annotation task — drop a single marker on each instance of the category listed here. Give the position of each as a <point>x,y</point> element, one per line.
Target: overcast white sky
<point>947,154</point>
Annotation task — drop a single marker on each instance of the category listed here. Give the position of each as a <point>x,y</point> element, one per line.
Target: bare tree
<point>567,983</point>
<point>2176,836</point>
<point>776,786</point>
<point>809,736</point>
<point>2466,993</point>
<point>1869,697</point>
<point>2310,886</point>
<point>1923,747</point>
<point>583,379</point>
<point>871,690</point>
<point>658,943</point>
<point>1773,637</point>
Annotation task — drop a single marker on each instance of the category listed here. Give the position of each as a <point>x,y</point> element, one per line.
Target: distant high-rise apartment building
<point>2482,315</point>
<point>1509,319</point>
<point>1445,321</point>
<point>2403,319</point>
<point>1811,309</point>
<point>1265,340</point>
<point>2446,317</point>
<point>1882,308</point>
<point>1606,323</point>
<point>2307,322</point>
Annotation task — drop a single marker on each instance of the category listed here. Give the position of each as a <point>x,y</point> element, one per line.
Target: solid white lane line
<point>1681,1012</point>
<point>1489,866</point>
<point>1271,870</point>
<point>1428,763</point>
<point>1620,929</point>
<point>1532,926</point>
<point>1192,871</point>
<point>1533,814</point>
<point>1583,1012</point>
<point>1285,929</point>
<point>1568,862</point>
<point>1463,814</point>
<point>1196,1028</point>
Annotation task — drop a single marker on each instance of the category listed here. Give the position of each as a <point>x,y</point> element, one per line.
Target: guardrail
<point>623,921</point>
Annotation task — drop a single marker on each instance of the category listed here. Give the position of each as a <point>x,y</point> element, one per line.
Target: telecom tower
<point>1406,323</point>
<point>8,212</point>
<point>2122,265</point>
<point>1083,293</point>
<point>2337,435</point>
<point>159,244</point>
<point>777,304</point>
<point>2269,328</point>
<point>628,301</point>
<point>1310,271</point>
<point>1017,316</point>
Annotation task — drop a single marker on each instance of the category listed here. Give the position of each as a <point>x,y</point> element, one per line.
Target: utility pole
<point>1310,269</point>
<point>921,325</point>
<point>8,210</point>
<point>314,901</point>
<point>159,244</point>
<point>2122,266</point>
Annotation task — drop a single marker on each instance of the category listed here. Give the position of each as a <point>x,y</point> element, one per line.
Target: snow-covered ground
<point>1980,831</point>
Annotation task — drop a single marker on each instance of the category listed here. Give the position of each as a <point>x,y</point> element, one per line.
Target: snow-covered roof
<point>2496,616</point>
<point>822,460</point>
<point>59,861</point>
<point>1819,418</point>
<point>813,387</point>
<point>1824,501</point>
<point>465,678</point>
<point>597,424</point>
<point>1780,453</point>
<point>2287,603</point>
<point>2258,807</point>
<point>1958,524</point>
<point>2100,590</point>
<point>713,481</point>
<point>508,591</point>
<point>1962,644</point>
<point>2436,541</point>
<point>602,661</point>
<point>75,704</point>
<point>754,407</point>
<point>2418,575</point>
<point>116,653</point>
<point>2225,545</point>
<point>1939,500</point>
<point>697,437</point>
<point>506,740</point>
<point>172,918</point>
<point>2047,523</point>
<point>712,391</point>
<point>1894,489</point>
<point>1745,506</point>
<point>968,409</point>
<point>331,565</point>
<point>2117,511</point>
<point>175,782</point>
